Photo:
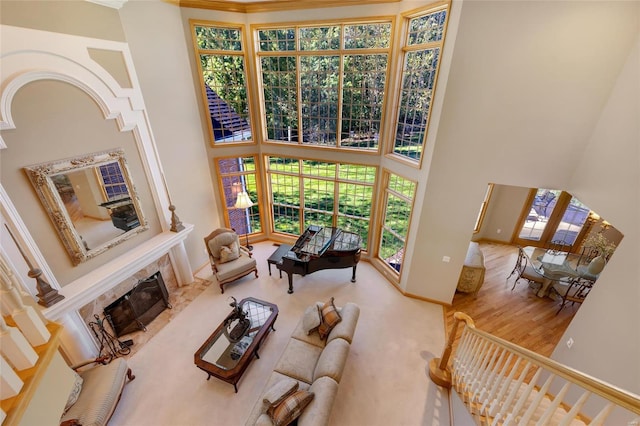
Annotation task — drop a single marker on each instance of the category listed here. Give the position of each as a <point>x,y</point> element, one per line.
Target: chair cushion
<point>530,274</point>
<point>239,266</point>
<point>100,393</point>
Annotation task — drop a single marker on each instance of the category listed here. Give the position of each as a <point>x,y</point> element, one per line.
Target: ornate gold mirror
<point>91,201</point>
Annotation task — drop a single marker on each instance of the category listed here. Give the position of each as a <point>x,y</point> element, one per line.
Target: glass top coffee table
<point>227,360</point>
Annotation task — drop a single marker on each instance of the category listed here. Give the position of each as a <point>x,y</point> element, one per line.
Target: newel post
<point>438,367</point>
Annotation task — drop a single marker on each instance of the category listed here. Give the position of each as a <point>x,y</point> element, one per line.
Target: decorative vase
<point>596,265</point>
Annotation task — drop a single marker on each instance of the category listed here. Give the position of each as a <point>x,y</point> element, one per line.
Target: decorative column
<point>180,263</point>
<point>25,317</point>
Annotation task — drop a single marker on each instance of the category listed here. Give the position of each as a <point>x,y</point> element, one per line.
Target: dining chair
<point>524,270</point>
<point>574,291</point>
<point>587,254</point>
<point>559,246</point>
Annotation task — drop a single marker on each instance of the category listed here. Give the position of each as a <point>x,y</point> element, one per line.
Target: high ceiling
<point>249,6</point>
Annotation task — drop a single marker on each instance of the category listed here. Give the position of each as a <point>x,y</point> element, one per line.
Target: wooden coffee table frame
<point>234,374</point>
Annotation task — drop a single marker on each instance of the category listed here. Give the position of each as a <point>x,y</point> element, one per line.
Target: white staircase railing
<point>505,384</point>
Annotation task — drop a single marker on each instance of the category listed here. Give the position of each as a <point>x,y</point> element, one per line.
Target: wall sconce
<point>244,202</point>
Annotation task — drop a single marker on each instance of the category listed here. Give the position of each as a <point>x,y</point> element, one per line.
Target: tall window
<point>236,175</point>
<point>398,203</point>
<point>309,192</point>
<point>324,85</point>
<point>221,55</point>
<point>424,40</point>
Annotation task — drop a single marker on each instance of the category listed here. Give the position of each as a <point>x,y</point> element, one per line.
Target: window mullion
<point>340,98</point>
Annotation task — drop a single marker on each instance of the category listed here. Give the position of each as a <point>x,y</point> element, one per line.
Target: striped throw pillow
<point>330,317</point>
<point>291,408</point>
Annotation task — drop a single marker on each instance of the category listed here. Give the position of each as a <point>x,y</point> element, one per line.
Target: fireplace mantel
<point>92,285</point>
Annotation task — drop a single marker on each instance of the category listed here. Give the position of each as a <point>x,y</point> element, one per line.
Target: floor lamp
<point>244,202</point>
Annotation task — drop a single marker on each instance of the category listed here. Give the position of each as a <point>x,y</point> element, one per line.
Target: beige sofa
<point>316,365</point>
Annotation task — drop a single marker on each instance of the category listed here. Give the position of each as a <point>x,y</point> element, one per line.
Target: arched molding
<point>115,102</point>
<point>31,55</point>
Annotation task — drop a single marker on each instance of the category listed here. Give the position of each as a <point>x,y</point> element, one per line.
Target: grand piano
<point>321,248</point>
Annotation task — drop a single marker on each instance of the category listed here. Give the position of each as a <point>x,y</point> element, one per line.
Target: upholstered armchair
<point>229,259</point>
<point>96,392</point>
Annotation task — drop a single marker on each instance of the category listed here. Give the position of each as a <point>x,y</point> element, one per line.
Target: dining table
<point>552,265</point>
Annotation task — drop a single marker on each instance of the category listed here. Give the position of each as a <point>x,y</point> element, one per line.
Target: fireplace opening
<point>136,309</point>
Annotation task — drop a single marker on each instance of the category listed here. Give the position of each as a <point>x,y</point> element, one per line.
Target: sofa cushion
<point>318,411</point>
<point>279,391</point>
<point>291,408</point>
<point>332,360</point>
<point>311,319</point>
<point>330,318</point>
<point>298,360</point>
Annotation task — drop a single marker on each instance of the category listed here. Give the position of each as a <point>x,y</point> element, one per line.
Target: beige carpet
<point>385,381</point>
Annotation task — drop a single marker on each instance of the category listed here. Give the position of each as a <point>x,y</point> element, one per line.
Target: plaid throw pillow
<point>330,317</point>
<point>291,408</point>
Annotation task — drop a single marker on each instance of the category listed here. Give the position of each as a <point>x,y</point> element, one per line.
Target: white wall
<point>528,81</point>
<point>608,175</point>
<point>157,41</point>
<point>529,91</point>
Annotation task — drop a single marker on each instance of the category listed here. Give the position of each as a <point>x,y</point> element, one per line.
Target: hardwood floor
<point>518,316</point>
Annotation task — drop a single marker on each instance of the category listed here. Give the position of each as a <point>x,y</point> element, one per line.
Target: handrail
<point>491,375</point>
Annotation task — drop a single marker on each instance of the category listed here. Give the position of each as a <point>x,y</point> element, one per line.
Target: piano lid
<point>315,241</point>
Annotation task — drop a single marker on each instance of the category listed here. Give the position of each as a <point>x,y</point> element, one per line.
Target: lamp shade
<point>243,201</point>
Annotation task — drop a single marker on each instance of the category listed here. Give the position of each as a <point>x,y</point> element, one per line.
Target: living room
<point>551,102</point>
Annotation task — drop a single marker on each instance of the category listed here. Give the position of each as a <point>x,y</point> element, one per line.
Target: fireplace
<point>138,307</point>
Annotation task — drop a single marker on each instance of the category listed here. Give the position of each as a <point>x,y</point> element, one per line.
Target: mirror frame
<point>40,176</point>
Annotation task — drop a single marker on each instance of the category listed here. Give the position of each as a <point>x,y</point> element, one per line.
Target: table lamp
<point>244,202</point>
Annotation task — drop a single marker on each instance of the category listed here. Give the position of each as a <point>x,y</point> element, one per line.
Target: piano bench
<point>276,257</point>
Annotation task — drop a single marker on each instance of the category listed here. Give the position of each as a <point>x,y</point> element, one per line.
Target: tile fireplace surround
<point>164,252</point>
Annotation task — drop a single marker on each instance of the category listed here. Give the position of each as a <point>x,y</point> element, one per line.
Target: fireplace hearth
<point>136,309</point>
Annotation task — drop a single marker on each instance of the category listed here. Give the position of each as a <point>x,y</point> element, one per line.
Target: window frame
<point>399,72</point>
<point>298,53</point>
<point>556,216</point>
<point>483,209</point>
<point>257,202</point>
<point>382,210</point>
<point>336,181</point>
<point>244,53</point>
